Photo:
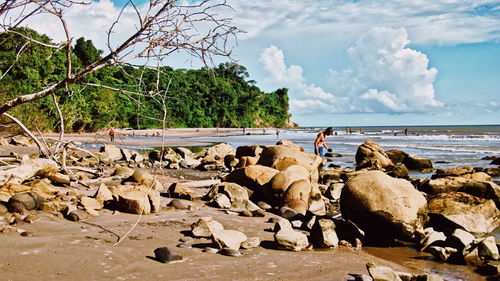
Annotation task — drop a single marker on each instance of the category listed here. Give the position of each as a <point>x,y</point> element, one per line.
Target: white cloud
<point>385,76</point>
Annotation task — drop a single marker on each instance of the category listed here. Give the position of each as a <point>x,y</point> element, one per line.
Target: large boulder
<point>371,155</point>
<point>229,238</point>
<point>288,239</point>
<point>383,206</point>
<point>216,153</point>
<point>281,157</point>
<point>29,168</point>
<point>453,172</point>
<point>143,177</point>
<point>282,180</point>
<point>136,200</point>
<point>290,144</point>
<point>449,211</point>
<point>248,150</point>
<point>396,155</point>
<point>233,191</point>
<point>112,152</point>
<point>297,196</point>
<point>253,177</point>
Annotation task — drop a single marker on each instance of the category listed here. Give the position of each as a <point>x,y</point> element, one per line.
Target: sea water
<point>446,146</point>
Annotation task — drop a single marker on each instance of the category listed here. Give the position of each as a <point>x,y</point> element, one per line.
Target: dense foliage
<point>219,97</point>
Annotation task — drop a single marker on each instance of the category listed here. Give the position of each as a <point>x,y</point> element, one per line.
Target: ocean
<point>446,146</point>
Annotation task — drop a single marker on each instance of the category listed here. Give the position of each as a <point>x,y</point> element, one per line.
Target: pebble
<point>210,250</point>
<point>27,234</point>
<point>184,245</point>
<point>186,239</point>
<point>164,255</point>
<point>230,252</point>
<point>30,218</point>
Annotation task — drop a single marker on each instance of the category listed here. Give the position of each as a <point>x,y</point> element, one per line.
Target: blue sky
<point>361,63</point>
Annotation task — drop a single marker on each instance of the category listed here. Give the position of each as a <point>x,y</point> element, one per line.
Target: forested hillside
<point>218,97</point>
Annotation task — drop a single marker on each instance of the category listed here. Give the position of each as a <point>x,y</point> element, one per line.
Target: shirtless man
<point>320,142</point>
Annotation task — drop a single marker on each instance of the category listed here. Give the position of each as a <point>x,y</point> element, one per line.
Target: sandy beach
<point>59,249</point>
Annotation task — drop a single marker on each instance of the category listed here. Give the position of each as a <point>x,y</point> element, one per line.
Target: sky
<point>354,62</point>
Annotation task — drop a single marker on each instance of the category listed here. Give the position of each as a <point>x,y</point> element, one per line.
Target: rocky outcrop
<point>383,206</point>
<point>413,162</point>
<point>254,177</point>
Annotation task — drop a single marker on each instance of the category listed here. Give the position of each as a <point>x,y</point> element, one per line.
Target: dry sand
<point>65,250</point>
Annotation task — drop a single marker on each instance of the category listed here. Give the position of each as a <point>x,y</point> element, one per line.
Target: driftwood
<point>201,183</point>
<point>28,169</point>
<point>84,169</point>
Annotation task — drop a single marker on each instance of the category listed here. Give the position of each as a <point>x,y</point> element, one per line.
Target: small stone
<point>165,255</point>
<point>246,213</point>
<point>184,245</point>
<point>230,252</point>
<point>264,205</point>
<point>210,250</point>
<point>179,204</point>
<point>250,243</point>
<point>186,239</point>
<point>27,234</point>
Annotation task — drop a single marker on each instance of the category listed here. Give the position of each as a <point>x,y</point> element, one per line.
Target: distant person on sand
<point>112,134</point>
<point>320,142</point>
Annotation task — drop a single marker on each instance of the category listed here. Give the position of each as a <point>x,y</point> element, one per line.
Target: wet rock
<point>24,201</point>
<point>413,162</point>
<point>496,161</point>
<point>382,273</point>
<point>228,238</point>
<point>178,190</point>
<point>371,155</point>
<point>165,255</point>
<point>290,240</point>
<point>229,252</point>
<point>323,234</point>
<point>461,210</point>
<point>396,155</point>
<point>383,206</point>
<point>205,226</point>
<point>250,243</point>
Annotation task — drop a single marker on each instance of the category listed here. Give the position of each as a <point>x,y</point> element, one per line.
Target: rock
<point>453,172</point>
<point>413,162</point>
<point>103,195</point>
<point>27,234</point>
<point>382,273</point>
<point>383,206</point>
<point>316,202</point>
<point>493,172</point>
<point>134,202</point>
<point>488,249</point>
<point>143,177</point>
<point>290,144</point>
<point>371,155</point>
<point>396,155</point>
<point>282,223</point>
<point>221,201</point>
<point>78,215</point>
<point>21,140</point>
<point>178,190</point>
<point>229,252</point>
<point>441,253</point>
<point>334,190</point>
<point>397,171</point>
<point>184,245</point>
<point>496,161</point>
<point>363,277</point>
<point>216,153</point>
<point>264,205</point>
<point>280,157</point>
<point>233,191</point>
<point>24,201</point>
<point>43,188</point>
<point>125,171</point>
<point>348,231</point>
<point>90,203</point>
<point>246,161</point>
<point>5,196</point>
<point>291,240</point>
<point>297,196</point>
<point>491,268</point>
<point>210,250</point>
<point>330,176</point>
<point>457,209</point>
<point>244,205</point>
<point>205,226</point>
<point>29,168</point>
<point>323,234</point>
<point>250,243</point>
<point>184,152</point>
<point>137,158</point>
<point>247,150</point>
<point>55,206</point>
<point>3,209</point>
<point>287,212</point>
<point>460,239</point>
<point>431,238</point>
<point>283,179</point>
<point>111,151</point>
<point>230,161</point>
<point>253,177</point>
<point>232,239</point>
<point>179,204</point>
<point>165,255</point>
<point>58,178</point>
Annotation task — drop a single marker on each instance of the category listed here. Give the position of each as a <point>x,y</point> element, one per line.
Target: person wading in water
<point>320,142</point>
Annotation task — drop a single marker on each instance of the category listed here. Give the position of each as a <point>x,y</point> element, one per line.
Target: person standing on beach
<point>112,134</point>
<point>320,142</point>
